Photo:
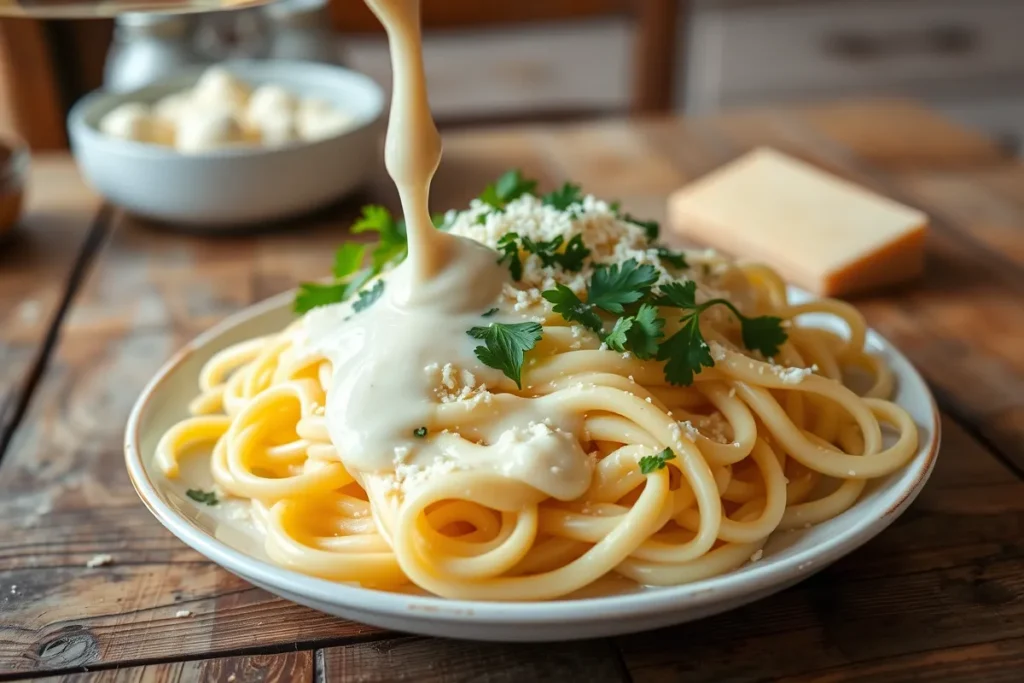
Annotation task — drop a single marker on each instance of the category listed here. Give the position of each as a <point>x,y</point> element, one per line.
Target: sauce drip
<point>386,359</point>
<point>412,150</point>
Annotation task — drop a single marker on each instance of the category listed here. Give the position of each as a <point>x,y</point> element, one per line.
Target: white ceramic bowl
<point>789,557</point>
<point>234,186</point>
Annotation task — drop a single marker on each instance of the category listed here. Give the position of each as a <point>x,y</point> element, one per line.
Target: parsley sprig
<point>349,275</point>
<point>637,333</point>
<point>505,345</point>
<point>550,252</point>
<point>651,463</point>
<point>508,250</point>
<point>201,496</point>
<point>510,186</point>
<point>611,287</point>
<point>626,290</point>
<point>687,352</point>
<point>564,197</point>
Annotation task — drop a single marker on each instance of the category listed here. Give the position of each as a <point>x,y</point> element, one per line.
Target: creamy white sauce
<point>385,358</point>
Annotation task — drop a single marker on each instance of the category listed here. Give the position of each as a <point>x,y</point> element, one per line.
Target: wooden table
<point>93,301</point>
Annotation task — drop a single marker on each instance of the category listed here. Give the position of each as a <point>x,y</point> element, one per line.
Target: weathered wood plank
<point>65,494</point>
<point>999,662</point>
<point>948,574</point>
<point>35,262</point>
<point>432,660</point>
<point>280,668</point>
<point>888,134</point>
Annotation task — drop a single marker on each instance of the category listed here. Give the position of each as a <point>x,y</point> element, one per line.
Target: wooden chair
<point>44,66</point>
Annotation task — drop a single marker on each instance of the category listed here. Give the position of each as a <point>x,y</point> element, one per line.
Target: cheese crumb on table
<point>99,561</point>
<point>182,613</point>
<point>821,232</point>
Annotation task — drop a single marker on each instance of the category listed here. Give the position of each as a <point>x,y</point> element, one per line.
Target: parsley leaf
<point>546,251</point>
<point>763,333</point>
<point>511,185</point>
<point>569,306</point>
<point>392,245</point>
<point>645,332</point>
<point>637,333</point>
<point>504,346</point>
<point>564,197</point>
<point>509,250</point>
<point>676,259</point>
<point>311,295</point>
<point>575,253</point>
<point>376,218</point>
<point>650,227</point>
<point>686,352</point>
<point>650,463</point>
<point>619,336</point>
<point>678,294</point>
<point>347,259</point>
<point>368,296</point>
<point>419,432</point>
<point>489,312</point>
<point>613,286</point>
<point>204,497</point>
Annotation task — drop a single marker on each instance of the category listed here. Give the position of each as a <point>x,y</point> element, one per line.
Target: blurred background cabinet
<point>555,59</point>
<point>965,57</point>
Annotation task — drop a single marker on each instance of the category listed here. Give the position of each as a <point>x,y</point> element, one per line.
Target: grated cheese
<point>793,375</point>
<point>609,239</point>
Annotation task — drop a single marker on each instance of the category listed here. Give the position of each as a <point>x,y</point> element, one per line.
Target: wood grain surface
<point>37,261</point>
<point>290,667</point>
<point>938,596</point>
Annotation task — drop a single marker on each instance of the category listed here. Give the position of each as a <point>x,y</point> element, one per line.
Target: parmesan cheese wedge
<point>820,232</point>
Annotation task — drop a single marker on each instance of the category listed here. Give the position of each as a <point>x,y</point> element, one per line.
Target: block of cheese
<point>820,232</point>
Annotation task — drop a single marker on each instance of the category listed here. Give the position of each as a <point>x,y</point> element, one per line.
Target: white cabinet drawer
<point>852,46</point>
<point>579,65</point>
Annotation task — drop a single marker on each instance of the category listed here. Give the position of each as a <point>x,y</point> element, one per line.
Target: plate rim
<point>647,603</point>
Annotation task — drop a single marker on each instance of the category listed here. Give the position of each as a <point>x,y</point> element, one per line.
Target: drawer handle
<point>943,40</point>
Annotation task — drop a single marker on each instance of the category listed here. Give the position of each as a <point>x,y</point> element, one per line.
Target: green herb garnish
<point>368,296</point>
<point>419,432</point>
<point>390,249</point>
<point>614,286</point>
<point>564,197</point>
<point>687,352</point>
<point>650,463</point>
<point>505,345</point>
<point>392,244</point>
<point>762,333</point>
<point>510,186</point>
<point>570,307</point>
<point>574,255</point>
<point>204,497</point>
<point>651,228</point>
<point>508,247</point>
<point>676,259</point>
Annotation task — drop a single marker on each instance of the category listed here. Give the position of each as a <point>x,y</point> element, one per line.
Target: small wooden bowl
<point>14,162</point>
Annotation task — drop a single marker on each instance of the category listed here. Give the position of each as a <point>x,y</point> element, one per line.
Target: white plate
<point>789,557</point>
